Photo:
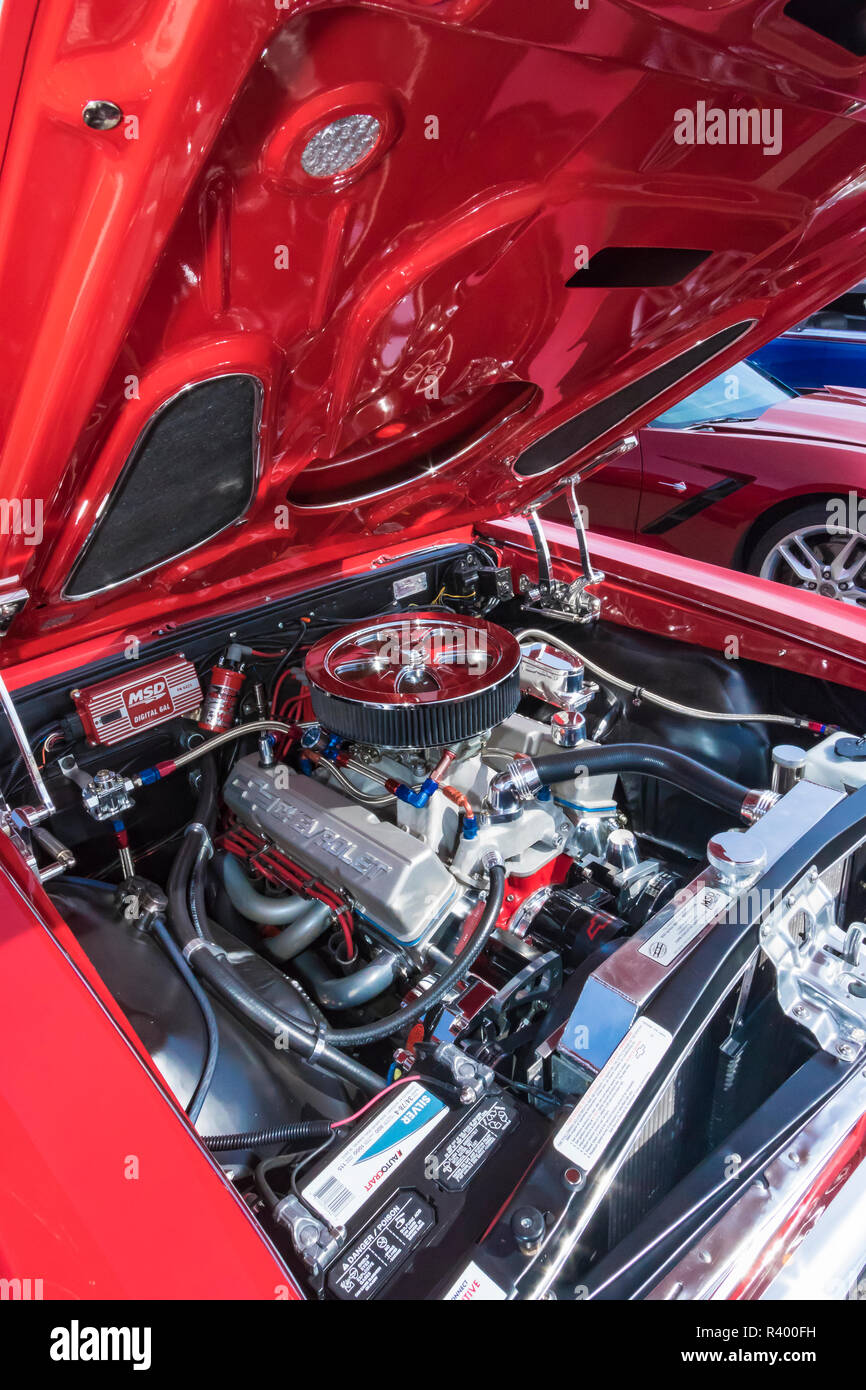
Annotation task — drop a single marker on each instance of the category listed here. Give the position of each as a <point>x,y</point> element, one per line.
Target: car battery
<point>414,1185</point>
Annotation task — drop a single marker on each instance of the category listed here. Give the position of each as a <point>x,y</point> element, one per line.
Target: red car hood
<point>413,321</point>
<point>836,414</point>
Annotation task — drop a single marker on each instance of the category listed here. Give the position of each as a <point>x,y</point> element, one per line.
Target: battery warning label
<point>457,1161</point>
<point>359,1169</point>
<point>363,1270</point>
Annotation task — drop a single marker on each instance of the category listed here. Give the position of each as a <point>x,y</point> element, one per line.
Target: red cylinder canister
<point>218,710</point>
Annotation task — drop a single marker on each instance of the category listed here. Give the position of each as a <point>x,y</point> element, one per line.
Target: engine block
<point>396,883</point>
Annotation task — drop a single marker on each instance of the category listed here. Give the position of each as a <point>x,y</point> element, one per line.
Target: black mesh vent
<point>636,267</point>
<point>576,434</point>
<point>841,21</point>
<point>191,473</point>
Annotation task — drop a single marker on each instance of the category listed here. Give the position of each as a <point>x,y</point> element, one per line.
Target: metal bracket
<point>554,598</point>
<point>21,833</point>
<point>62,857</point>
<point>106,795</point>
<point>31,815</point>
<point>820,969</point>
<point>11,825</point>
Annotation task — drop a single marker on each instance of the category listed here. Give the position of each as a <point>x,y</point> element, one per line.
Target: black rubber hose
<point>215,969</point>
<point>203,1084</point>
<point>399,1021</point>
<point>304,1134</point>
<point>290,1161</point>
<point>652,761</point>
<point>177,959</point>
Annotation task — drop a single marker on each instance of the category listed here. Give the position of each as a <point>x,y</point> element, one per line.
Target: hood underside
<point>283,283</point>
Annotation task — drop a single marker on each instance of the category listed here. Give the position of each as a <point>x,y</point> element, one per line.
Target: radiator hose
<point>650,760</point>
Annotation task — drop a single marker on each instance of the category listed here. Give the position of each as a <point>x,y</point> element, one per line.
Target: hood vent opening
<point>191,473</point>
<point>400,451</point>
<point>841,21</point>
<point>555,448</point>
<point>636,267</point>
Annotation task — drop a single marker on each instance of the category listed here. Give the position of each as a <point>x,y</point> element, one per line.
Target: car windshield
<point>740,393</point>
<point>846,315</point>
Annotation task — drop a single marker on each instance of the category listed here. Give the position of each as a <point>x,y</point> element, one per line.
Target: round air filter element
<point>414,680</point>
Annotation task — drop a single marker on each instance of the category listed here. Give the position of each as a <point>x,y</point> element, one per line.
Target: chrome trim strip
<point>524,478</point>
<point>828,335</point>
<point>429,472</point>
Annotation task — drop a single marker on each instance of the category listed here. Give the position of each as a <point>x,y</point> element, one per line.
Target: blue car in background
<point>826,349</point>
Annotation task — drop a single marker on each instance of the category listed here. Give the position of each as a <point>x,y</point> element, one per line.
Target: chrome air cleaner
<point>414,680</point>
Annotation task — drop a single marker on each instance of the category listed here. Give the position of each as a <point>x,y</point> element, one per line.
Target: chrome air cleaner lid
<point>414,680</point>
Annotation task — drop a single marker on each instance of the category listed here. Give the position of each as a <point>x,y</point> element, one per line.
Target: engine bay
<point>384,882</point>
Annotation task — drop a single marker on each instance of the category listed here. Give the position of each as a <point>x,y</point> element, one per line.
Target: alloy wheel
<point>821,560</point>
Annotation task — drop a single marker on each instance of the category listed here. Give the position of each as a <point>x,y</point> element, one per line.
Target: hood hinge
<point>11,604</point>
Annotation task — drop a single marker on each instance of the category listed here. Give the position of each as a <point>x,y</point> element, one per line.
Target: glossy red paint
<point>108,1194</point>
<point>835,415</point>
<point>136,260</point>
<point>425,291</point>
<point>705,605</point>
<point>810,448</point>
<point>519,890</point>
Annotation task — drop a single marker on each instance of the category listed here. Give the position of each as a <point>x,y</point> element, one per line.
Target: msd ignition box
<point>115,709</point>
<point>410,1190</point>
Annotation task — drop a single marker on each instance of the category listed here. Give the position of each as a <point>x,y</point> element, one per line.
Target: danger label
<point>364,1269</point>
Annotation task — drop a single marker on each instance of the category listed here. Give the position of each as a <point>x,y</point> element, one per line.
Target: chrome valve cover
<point>397,884</point>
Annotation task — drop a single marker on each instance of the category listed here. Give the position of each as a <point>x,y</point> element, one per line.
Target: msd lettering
<point>146,693</point>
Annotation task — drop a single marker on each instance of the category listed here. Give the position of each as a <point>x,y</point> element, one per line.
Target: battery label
<point>596,1118</point>
<point>687,923</point>
<point>458,1160</point>
<point>359,1169</point>
<point>363,1270</point>
<point>474,1286</point>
